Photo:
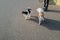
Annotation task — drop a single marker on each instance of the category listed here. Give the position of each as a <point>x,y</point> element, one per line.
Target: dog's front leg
<point>40,20</point>
<point>29,16</point>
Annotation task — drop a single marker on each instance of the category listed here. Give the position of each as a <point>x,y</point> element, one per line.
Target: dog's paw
<point>39,23</point>
<point>25,19</point>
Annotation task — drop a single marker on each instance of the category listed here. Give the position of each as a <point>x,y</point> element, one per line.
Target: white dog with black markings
<point>27,13</point>
<point>40,15</point>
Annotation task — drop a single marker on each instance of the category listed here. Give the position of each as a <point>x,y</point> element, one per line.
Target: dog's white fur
<point>40,15</point>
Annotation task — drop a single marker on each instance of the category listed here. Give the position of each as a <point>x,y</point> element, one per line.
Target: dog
<point>27,13</point>
<point>40,15</point>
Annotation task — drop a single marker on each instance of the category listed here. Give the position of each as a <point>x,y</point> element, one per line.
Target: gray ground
<point>14,27</point>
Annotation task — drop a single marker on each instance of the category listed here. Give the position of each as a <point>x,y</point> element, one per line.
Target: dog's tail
<point>22,12</point>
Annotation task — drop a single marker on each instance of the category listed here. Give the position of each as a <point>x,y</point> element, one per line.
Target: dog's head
<point>39,10</point>
<point>29,10</point>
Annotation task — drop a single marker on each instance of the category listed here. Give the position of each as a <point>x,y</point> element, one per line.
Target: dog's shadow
<point>34,19</point>
<point>51,24</point>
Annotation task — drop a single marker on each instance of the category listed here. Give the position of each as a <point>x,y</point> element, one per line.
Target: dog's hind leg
<point>26,17</point>
<point>29,16</point>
